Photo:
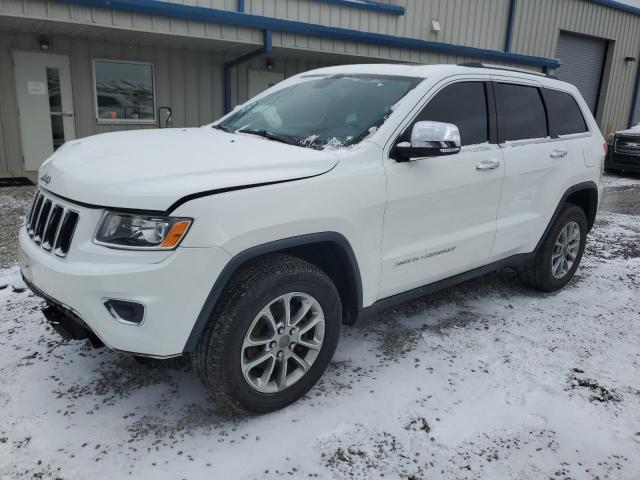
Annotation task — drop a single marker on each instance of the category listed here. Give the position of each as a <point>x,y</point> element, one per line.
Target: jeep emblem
<point>45,179</point>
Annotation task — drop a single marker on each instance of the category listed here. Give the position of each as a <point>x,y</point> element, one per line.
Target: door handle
<point>486,165</point>
<point>558,154</point>
<point>68,114</point>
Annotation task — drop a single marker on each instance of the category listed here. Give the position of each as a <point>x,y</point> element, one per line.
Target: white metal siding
<point>536,30</point>
<point>189,54</point>
<point>582,64</point>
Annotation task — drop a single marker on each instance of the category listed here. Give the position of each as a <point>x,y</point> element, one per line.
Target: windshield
<point>322,111</point>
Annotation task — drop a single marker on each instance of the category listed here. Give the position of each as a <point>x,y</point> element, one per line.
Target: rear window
<point>565,116</point>
<point>521,112</point>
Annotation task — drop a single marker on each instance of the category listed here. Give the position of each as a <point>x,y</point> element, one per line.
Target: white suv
<point>334,194</point>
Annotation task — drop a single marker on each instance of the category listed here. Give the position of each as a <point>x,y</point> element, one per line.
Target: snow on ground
<point>485,380</point>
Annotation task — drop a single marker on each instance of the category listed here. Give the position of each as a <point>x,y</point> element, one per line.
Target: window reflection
<point>124,90</point>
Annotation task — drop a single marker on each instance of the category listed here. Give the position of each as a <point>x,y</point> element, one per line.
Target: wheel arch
<point>584,195</point>
<point>330,251</point>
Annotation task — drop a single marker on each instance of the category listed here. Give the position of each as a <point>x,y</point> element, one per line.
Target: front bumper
<point>172,290</point>
<point>622,161</point>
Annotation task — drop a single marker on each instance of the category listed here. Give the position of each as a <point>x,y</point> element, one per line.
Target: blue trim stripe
<point>509,34</point>
<point>166,9</point>
<point>634,98</point>
<point>368,5</point>
<point>266,48</point>
<point>623,7</point>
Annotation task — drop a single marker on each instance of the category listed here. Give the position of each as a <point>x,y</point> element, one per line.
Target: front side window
<point>124,91</point>
<point>465,105</point>
<point>521,113</point>
<point>565,116</point>
<point>326,111</point>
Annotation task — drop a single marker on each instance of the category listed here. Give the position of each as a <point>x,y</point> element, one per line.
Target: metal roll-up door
<point>582,62</point>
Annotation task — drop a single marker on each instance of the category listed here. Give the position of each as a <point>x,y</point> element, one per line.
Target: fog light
<point>131,313</point>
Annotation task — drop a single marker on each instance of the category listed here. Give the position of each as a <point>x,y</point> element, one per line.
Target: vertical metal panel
<point>12,152</point>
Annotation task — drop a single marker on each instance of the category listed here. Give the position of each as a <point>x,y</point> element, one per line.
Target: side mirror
<point>429,139</point>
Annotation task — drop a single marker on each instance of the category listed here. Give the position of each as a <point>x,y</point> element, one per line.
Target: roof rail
<point>500,67</point>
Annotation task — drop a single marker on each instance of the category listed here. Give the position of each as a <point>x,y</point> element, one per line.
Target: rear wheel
<point>557,259</point>
<point>271,337</point>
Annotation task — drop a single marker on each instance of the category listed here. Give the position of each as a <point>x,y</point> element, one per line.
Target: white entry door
<point>45,104</point>
<point>260,80</point>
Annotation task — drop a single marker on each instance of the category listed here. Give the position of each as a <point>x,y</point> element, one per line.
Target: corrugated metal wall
<point>189,79</point>
<point>464,22</point>
<point>536,29</point>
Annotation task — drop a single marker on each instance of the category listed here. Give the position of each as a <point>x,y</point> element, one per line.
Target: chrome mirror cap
<point>428,134</point>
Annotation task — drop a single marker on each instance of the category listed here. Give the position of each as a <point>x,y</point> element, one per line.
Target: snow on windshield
<point>324,112</point>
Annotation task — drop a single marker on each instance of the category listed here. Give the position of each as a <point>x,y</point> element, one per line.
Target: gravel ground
<point>484,380</point>
<point>13,203</point>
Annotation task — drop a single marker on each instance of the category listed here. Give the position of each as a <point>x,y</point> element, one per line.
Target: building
<point>72,68</point>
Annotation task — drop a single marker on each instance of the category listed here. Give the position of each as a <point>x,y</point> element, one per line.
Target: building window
<point>124,91</point>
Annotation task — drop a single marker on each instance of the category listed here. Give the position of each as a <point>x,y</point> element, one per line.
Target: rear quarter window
<point>564,113</point>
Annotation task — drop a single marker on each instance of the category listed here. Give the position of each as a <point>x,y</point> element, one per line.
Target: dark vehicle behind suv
<point>624,151</point>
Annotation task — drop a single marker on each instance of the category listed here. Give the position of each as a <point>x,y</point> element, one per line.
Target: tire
<point>540,273</point>
<point>222,350</point>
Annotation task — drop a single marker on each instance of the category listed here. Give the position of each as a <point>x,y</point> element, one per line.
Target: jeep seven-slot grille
<point>51,225</point>
<point>628,145</point>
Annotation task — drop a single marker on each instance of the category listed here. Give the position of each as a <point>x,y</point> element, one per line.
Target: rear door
<point>440,218</point>
<point>537,167</point>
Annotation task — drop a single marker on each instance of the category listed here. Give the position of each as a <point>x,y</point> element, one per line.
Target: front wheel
<point>271,337</point>
<point>557,259</point>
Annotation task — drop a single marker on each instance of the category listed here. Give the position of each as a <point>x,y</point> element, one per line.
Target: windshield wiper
<point>271,136</point>
<point>223,128</point>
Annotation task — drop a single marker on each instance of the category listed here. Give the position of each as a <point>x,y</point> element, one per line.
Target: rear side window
<point>465,105</point>
<point>565,116</point>
<point>521,112</point>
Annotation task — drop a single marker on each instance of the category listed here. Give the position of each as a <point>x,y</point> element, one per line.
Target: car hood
<point>153,169</point>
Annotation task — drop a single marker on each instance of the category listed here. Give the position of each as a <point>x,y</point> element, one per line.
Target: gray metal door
<point>582,60</point>
<point>45,103</point>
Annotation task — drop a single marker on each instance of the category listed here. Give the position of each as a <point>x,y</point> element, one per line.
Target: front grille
<point>50,224</point>
<point>627,145</point>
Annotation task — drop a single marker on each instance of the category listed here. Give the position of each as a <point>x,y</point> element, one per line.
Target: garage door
<point>582,60</point>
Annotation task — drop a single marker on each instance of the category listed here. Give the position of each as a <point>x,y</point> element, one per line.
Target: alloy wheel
<point>565,250</point>
<point>282,342</point>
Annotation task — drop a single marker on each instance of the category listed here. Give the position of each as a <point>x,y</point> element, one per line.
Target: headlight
<point>125,230</point>
<point>610,138</point>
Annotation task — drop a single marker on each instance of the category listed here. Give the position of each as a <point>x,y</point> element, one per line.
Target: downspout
<point>240,6</point>
<point>634,99</point>
<point>510,17</point>
<point>266,48</point>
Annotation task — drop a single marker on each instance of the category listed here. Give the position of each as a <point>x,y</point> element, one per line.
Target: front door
<point>45,104</point>
<point>440,218</point>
